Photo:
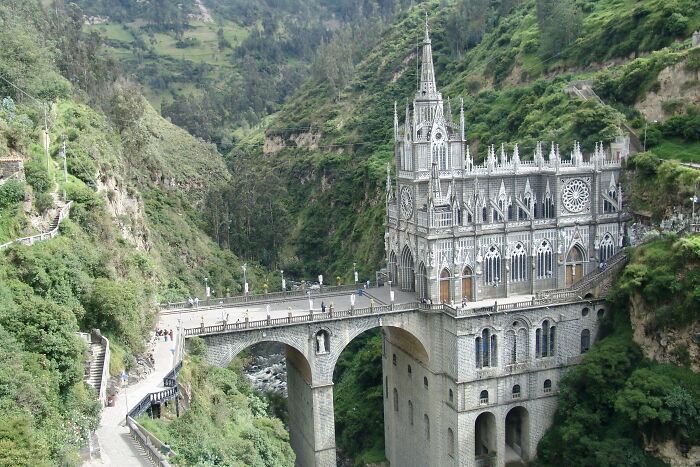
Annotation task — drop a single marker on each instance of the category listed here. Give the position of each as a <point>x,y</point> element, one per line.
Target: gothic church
<point>457,231</point>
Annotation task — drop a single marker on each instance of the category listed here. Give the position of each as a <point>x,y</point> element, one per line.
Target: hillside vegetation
<point>326,150</point>
<point>226,422</point>
<point>135,234</point>
<point>214,65</point>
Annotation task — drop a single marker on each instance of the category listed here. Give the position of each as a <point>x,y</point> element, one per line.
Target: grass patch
<point>686,151</point>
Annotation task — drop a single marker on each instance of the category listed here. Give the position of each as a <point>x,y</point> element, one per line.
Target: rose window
<point>575,195</point>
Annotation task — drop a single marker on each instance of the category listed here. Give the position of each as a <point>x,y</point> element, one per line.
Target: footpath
<point>117,448</point>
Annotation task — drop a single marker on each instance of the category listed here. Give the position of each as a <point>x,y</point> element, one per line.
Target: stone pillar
<point>500,438</point>
<point>324,425</point>
<point>311,419</point>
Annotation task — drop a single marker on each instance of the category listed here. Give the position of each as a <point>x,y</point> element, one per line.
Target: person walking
<point>323,307</point>
<point>171,335</point>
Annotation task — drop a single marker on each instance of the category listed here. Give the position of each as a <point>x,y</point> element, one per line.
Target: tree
<point>118,307</point>
<point>559,22</point>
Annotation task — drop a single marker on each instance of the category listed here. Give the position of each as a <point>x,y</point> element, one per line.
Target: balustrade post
<point>268,320</point>
<point>247,321</point>
<point>289,316</point>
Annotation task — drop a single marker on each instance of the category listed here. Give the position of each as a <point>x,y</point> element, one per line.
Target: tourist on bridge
<point>196,302</point>
<point>171,335</point>
<point>323,307</point>
<point>190,302</point>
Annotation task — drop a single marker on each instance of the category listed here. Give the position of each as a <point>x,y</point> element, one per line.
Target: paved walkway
<point>192,317</point>
<point>117,447</point>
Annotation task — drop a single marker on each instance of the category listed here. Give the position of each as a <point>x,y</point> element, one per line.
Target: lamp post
<point>694,199</point>
<point>354,272</point>
<point>245,279</point>
<point>206,287</point>
<point>284,283</point>
<point>320,283</point>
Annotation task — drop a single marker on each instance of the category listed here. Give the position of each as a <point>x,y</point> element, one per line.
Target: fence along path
<point>31,240</point>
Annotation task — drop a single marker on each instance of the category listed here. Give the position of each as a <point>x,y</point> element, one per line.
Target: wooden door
<point>574,273</point>
<point>467,288</point>
<point>445,291</point>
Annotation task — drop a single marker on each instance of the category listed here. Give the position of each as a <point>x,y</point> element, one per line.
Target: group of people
<point>323,307</point>
<point>164,333</point>
<point>193,302</point>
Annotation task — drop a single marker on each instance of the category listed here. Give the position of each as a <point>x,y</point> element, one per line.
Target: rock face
<point>677,346</point>
<point>127,210</point>
<point>676,85</point>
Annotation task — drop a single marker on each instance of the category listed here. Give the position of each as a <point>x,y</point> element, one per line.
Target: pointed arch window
<point>607,247</point>
<point>544,260</point>
<point>612,194</point>
<point>527,201</point>
<point>548,206</point>
<point>440,155</point>
<point>492,266</point>
<point>518,266</point>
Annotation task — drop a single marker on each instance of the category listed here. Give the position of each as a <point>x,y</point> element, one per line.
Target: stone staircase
<point>95,365</point>
<point>97,362</point>
<point>583,90</point>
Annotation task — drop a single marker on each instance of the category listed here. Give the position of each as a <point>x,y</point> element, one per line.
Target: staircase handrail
<point>149,442</point>
<point>32,239</point>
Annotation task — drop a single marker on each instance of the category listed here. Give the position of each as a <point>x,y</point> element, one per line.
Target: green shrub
<point>37,177</point>
<point>11,192</point>
<point>43,202</point>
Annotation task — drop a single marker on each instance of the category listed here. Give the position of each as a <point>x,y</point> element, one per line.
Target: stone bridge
<point>313,345</point>
<point>446,380</point>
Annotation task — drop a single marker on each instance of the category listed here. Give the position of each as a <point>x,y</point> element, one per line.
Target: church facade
<point>458,231</point>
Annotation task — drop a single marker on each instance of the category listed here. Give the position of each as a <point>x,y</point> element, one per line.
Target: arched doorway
<point>408,278</point>
<point>485,436</point>
<point>393,268</point>
<point>517,436</point>
<point>467,284</point>
<point>445,286</point>
<point>574,265</point>
<point>422,281</point>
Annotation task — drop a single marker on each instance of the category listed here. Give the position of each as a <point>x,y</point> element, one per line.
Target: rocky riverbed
<point>267,369</point>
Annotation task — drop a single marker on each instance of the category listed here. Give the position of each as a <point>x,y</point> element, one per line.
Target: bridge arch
<point>409,340</point>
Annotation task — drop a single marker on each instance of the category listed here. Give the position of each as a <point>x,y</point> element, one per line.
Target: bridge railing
<point>264,297</point>
<point>303,318</point>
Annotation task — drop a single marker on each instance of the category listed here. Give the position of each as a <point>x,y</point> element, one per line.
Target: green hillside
<point>214,65</point>
<point>135,235</point>
<point>329,147</point>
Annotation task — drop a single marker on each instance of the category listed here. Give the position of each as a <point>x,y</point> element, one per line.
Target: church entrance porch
<point>467,285</point>
<point>574,265</point>
<point>445,286</point>
<point>408,275</point>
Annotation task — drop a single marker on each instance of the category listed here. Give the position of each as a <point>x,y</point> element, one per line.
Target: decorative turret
<point>491,159</point>
<point>516,158</point>
<point>396,123</point>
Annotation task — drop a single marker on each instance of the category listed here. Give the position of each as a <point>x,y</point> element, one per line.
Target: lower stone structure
<point>462,387</point>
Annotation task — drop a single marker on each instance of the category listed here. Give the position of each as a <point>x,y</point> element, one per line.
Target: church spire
<point>427,75</point>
